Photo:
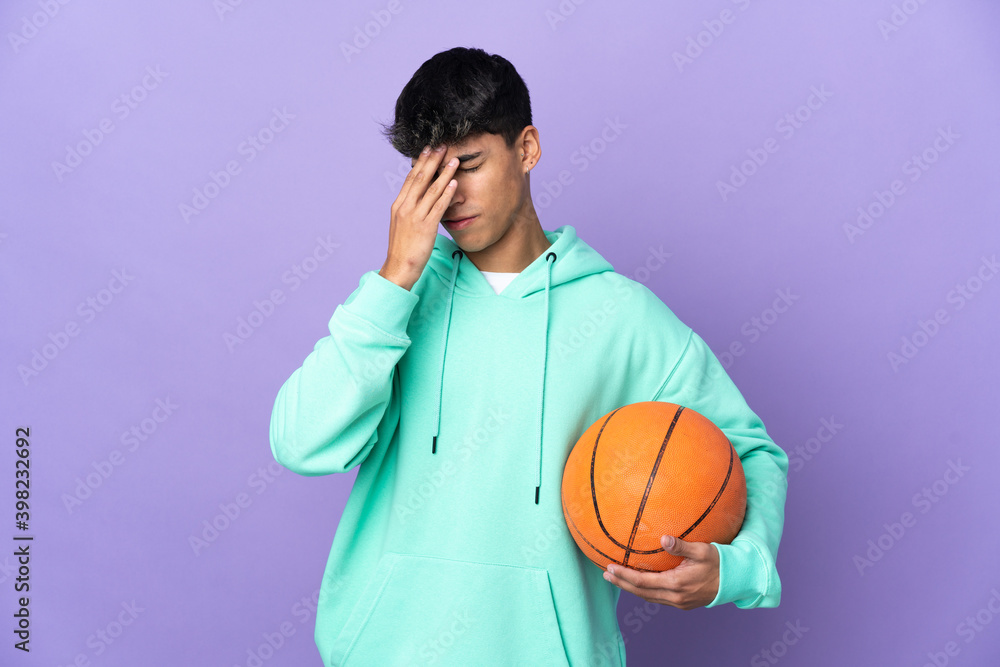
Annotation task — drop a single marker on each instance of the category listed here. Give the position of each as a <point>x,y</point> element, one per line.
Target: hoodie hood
<point>567,259</point>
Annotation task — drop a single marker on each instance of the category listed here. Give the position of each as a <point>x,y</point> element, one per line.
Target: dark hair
<point>456,94</point>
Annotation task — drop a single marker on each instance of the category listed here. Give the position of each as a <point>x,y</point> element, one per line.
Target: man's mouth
<point>458,223</point>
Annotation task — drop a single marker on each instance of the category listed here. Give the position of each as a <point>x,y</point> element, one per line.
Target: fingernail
<point>427,149</point>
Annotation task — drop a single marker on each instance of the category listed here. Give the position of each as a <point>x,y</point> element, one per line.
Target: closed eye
<point>438,173</point>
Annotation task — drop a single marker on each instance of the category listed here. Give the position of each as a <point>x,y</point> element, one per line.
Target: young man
<point>459,376</point>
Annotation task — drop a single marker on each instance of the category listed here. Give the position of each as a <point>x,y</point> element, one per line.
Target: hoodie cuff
<point>382,303</point>
<point>742,575</point>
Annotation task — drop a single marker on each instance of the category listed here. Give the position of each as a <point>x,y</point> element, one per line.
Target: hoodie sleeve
<point>748,576</point>
<point>329,414</point>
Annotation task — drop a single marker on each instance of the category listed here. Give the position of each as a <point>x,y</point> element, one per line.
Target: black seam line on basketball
<point>694,525</point>
<point>593,490</point>
<point>597,510</point>
<point>725,483</point>
<point>578,533</point>
<point>649,483</point>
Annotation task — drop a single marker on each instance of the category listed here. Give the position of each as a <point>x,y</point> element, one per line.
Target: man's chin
<point>469,245</point>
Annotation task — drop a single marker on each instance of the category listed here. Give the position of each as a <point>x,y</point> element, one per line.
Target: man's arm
<point>328,415</point>
<point>748,575</point>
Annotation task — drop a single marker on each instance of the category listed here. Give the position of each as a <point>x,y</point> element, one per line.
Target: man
<point>458,379</point>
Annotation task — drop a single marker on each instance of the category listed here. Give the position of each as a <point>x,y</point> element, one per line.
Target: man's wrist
<point>404,281</point>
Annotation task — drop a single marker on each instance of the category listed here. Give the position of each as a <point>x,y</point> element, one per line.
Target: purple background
<point>329,174</point>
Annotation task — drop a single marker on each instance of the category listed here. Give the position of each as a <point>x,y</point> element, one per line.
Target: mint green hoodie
<point>461,406</point>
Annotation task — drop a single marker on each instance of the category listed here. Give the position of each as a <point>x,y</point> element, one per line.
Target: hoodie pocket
<point>426,610</point>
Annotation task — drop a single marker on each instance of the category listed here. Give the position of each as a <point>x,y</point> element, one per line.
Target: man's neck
<point>515,250</point>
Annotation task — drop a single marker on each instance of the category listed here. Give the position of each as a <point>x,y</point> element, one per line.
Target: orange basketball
<point>650,469</point>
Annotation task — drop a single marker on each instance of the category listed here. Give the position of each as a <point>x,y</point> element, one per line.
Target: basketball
<point>646,470</point>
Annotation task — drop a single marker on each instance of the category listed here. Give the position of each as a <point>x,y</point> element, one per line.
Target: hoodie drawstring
<point>456,257</point>
<point>545,358</point>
